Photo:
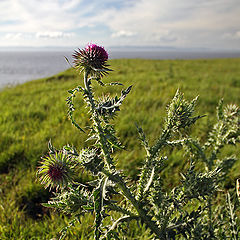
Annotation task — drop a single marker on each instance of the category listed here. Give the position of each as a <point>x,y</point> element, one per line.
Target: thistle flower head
<point>100,52</point>
<point>92,58</point>
<point>56,170</point>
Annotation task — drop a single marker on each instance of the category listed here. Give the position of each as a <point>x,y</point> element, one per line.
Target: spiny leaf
<point>71,108</point>
<point>98,196</point>
<point>107,106</point>
<point>143,138</point>
<point>149,181</point>
<point>220,110</point>
<point>233,223</point>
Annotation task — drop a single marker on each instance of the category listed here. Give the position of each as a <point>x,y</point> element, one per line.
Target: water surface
<point>20,66</point>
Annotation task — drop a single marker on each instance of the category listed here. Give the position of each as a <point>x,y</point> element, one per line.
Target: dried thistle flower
<point>92,59</point>
<point>56,170</point>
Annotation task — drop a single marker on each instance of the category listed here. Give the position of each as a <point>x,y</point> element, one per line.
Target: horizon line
<point>129,47</point>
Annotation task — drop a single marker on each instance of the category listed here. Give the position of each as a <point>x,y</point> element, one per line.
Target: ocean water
<point>17,67</point>
<point>21,66</point>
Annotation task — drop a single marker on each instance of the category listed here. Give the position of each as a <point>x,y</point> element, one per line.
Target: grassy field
<point>36,111</point>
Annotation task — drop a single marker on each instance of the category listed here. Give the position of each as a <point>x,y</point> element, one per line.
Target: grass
<point>34,112</point>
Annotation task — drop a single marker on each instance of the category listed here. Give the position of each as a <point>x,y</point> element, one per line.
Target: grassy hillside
<point>35,112</point>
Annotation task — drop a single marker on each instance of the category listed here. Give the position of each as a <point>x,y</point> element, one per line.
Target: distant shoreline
<point>17,67</point>
<point>173,55</point>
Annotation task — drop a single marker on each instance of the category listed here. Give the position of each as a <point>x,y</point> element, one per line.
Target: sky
<point>212,24</point>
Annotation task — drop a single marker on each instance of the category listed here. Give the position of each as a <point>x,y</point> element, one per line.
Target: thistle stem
<point>150,156</point>
<point>111,168</point>
<point>97,124</point>
<point>126,192</point>
<point>160,142</point>
<point>210,226</point>
<point>121,220</point>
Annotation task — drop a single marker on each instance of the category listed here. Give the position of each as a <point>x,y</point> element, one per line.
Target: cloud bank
<point>186,23</point>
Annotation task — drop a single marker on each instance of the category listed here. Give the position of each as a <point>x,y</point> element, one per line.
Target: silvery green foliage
<point>187,211</point>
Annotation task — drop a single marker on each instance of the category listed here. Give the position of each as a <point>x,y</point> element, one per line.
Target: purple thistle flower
<point>92,59</point>
<point>56,170</point>
<point>102,53</point>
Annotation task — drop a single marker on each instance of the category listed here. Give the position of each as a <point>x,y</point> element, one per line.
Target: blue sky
<point>71,23</point>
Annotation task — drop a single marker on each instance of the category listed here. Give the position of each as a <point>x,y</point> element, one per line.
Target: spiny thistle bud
<point>91,160</point>
<point>56,170</point>
<point>92,59</point>
<point>179,112</point>
<point>107,106</point>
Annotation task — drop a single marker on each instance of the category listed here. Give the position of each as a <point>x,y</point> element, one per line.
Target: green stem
<point>111,168</point>
<point>90,96</point>
<point>126,192</point>
<point>97,123</point>
<point>121,220</point>
<point>150,156</point>
<point>160,142</point>
<point>112,207</point>
<point>210,227</point>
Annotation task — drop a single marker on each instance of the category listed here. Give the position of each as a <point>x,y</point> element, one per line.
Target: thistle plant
<point>187,211</point>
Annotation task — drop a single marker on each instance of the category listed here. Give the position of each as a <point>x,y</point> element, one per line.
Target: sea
<point>22,65</point>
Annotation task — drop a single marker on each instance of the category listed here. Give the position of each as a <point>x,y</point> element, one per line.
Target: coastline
<point>17,67</point>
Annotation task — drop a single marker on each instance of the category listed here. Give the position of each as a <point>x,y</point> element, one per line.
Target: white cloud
<point>235,35</point>
<point>137,22</point>
<point>53,35</point>
<point>164,36</point>
<point>184,23</point>
<point>13,36</point>
<point>123,33</point>
<point>35,15</point>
